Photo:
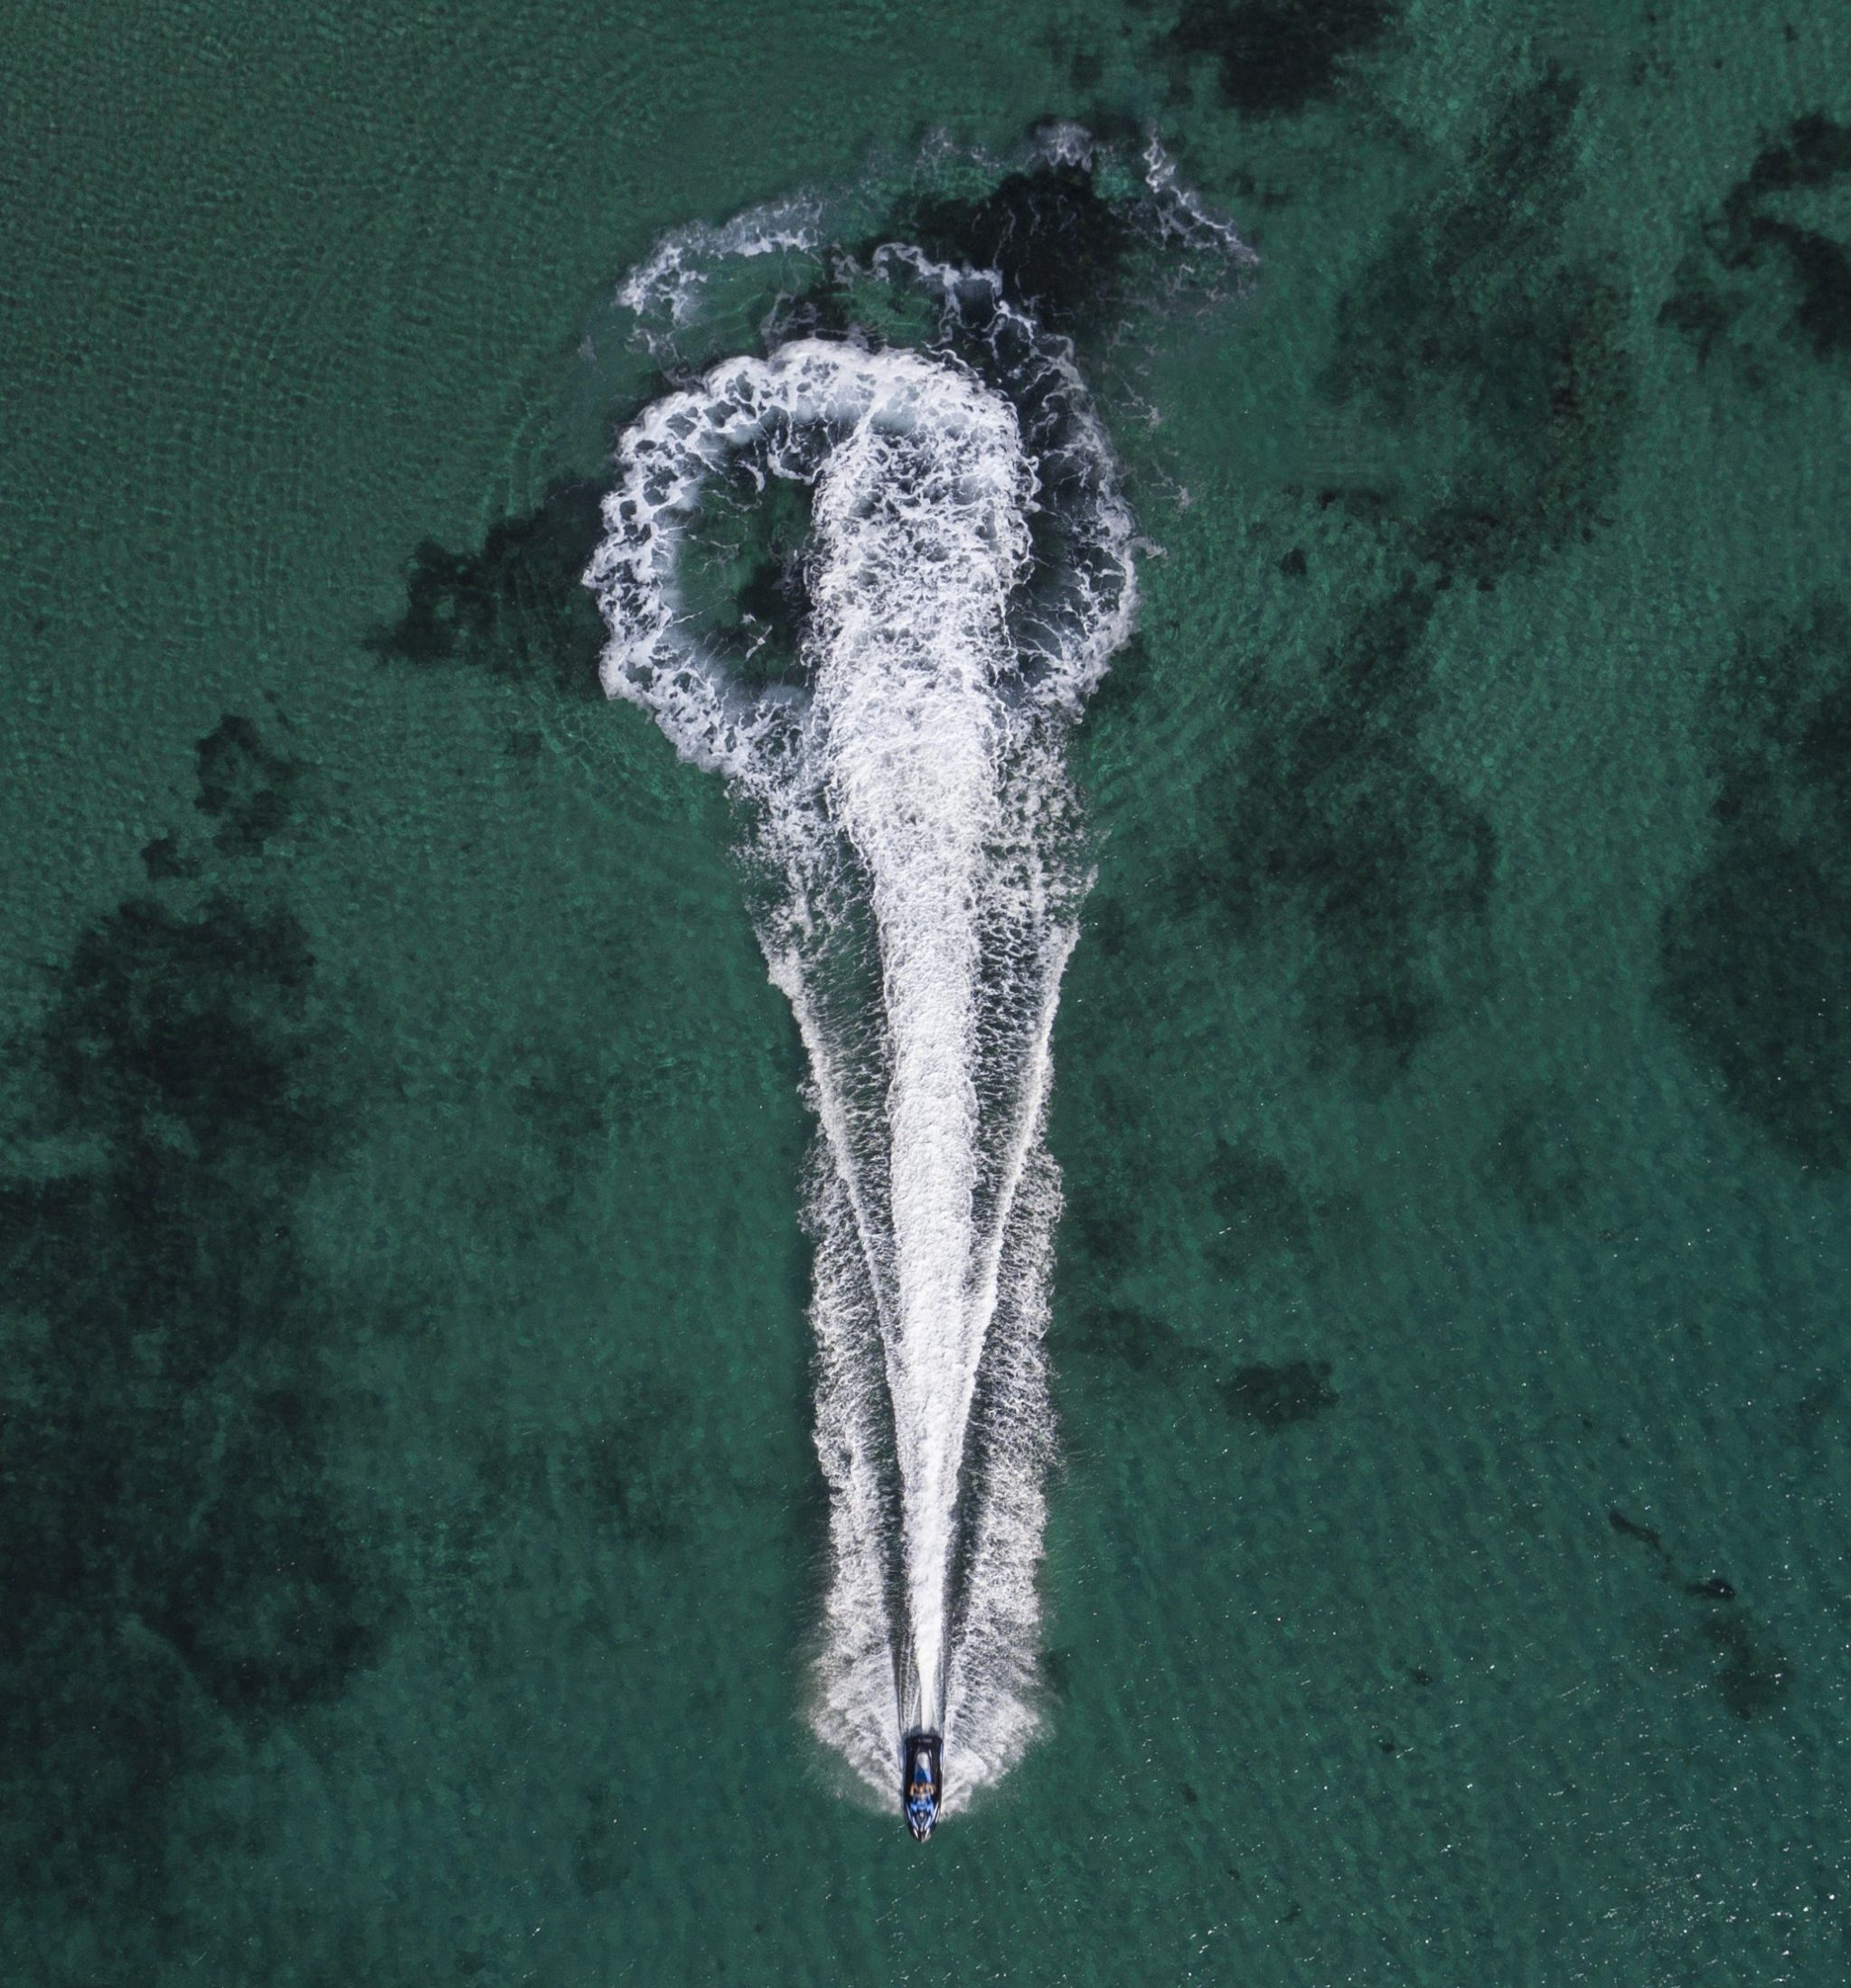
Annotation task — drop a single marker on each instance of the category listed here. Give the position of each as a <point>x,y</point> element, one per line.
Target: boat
<point>922,1782</point>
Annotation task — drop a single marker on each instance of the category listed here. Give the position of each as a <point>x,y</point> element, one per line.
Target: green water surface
<point>410,1535</point>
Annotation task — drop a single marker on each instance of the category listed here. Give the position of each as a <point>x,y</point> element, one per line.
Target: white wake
<point>915,849</point>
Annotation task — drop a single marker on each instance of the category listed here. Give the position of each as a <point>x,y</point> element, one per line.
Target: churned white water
<point>916,847</point>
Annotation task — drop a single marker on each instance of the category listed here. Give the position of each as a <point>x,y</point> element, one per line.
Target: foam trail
<point>916,838</point>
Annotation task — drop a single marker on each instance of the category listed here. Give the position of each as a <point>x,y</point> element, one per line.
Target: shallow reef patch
<point>1755,951</point>
<point>1274,58</point>
<point>1259,1209</point>
<point>1060,246</point>
<point>516,605</point>
<point>179,1568</point>
<point>1728,1646</point>
<point>246,787</point>
<point>1276,1397</point>
<point>1536,1159</point>
<point>1329,816</point>
<point>1486,321</point>
<point>1769,221</point>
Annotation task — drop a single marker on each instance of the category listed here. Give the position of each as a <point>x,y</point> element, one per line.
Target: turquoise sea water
<point>412,1539</point>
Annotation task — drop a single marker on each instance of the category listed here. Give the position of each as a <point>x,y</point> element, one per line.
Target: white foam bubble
<point>1186,220</point>
<point>664,288</point>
